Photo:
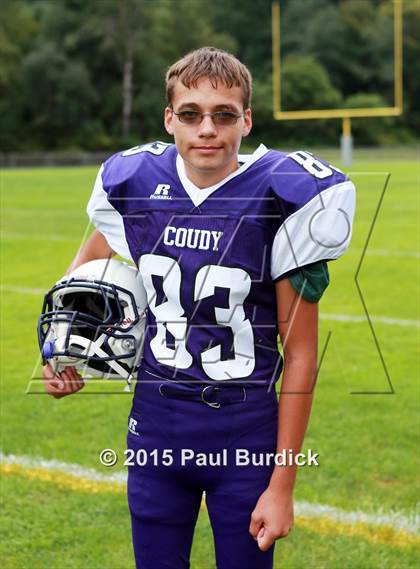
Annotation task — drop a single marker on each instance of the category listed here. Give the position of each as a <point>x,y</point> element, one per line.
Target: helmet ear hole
<point>97,303</point>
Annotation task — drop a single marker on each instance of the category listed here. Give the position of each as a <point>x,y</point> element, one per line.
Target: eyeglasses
<point>219,118</point>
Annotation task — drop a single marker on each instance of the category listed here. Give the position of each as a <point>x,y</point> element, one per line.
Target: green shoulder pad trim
<point>311,281</point>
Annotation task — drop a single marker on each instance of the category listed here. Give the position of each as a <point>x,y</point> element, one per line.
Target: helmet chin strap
<point>94,349</point>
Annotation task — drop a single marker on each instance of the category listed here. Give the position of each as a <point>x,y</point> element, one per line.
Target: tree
<point>411,48</point>
<point>18,28</point>
<point>90,74</point>
<point>62,101</point>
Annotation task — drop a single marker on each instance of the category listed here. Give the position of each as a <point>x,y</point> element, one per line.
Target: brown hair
<point>216,65</point>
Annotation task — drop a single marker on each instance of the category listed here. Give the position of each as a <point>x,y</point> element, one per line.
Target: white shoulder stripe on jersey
<point>107,219</point>
<point>320,230</point>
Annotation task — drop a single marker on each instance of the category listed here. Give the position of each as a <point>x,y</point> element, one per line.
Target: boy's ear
<point>168,120</point>
<point>247,122</point>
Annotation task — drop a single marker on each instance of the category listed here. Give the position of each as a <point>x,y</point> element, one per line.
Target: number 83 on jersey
<point>170,316</point>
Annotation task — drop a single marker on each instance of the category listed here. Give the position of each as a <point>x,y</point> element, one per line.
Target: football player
<point>232,251</point>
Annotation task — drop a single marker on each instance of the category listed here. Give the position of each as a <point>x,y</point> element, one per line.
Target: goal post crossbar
<point>394,110</point>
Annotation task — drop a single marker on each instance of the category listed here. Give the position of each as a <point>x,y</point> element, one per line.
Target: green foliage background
<point>64,63</point>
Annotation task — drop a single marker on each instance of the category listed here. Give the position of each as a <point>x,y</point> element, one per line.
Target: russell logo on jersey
<point>132,426</point>
<point>161,192</point>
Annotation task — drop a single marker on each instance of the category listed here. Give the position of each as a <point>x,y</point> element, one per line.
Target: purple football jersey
<point>209,258</point>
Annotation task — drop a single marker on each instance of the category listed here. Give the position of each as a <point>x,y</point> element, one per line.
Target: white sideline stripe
<point>363,319</point>
<point>75,470</point>
<point>397,520</point>
<point>324,316</point>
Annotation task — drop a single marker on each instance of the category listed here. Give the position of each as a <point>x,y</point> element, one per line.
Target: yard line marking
<point>323,316</point>
<point>22,290</point>
<point>386,252</point>
<point>391,528</point>
<point>355,250</point>
<point>29,236</point>
<point>43,212</point>
<point>363,319</point>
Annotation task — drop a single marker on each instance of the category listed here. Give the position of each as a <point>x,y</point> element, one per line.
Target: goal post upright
<point>346,143</point>
<point>345,114</point>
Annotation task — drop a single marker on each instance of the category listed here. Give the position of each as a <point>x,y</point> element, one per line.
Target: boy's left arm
<point>272,517</point>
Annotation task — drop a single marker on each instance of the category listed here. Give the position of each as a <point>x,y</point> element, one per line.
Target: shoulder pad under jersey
<point>316,203</point>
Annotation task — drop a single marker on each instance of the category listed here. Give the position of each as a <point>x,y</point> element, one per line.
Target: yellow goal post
<point>344,114</point>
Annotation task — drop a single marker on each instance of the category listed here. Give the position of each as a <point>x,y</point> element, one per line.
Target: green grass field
<point>368,444</point>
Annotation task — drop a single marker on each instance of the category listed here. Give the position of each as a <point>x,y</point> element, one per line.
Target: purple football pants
<point>164,499</point>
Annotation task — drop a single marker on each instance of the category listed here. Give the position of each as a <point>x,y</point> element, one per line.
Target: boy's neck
<point>203,179</point>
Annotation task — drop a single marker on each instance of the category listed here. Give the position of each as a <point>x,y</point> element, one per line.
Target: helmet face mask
<point>94,320</point>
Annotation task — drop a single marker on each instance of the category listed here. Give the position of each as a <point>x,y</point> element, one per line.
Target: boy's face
<point>208,150</point>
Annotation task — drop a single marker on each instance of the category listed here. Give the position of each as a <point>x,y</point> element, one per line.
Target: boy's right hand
<point>62,383</point>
